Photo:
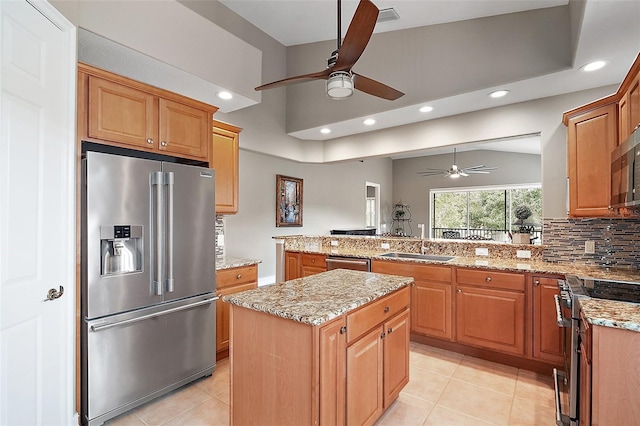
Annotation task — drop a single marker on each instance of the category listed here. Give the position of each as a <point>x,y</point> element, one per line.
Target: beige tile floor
<point>445,389</point>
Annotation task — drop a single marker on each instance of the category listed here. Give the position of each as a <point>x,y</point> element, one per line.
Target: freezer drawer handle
<point>155,314</point>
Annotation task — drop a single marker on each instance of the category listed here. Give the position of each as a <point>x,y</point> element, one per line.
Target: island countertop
<point>319,298</point>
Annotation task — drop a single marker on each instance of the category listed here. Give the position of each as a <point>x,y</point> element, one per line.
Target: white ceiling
<point>293,22</point>
<point>601,29</point>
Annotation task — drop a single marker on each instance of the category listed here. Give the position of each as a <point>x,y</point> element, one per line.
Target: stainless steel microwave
<point>625,172</point>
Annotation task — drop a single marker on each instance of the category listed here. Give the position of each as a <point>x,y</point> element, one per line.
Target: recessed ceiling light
<point>225,95</point>
<point>426,109</point>
<point>499,93</point>
<point>325,131</point>
<point>369,122</point>
<point>592,66</point>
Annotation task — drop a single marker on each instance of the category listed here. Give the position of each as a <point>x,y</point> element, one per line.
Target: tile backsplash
<point>617,241</point>
<point>219,238</point>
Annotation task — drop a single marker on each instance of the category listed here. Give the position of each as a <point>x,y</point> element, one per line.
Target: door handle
<point>54,294</point>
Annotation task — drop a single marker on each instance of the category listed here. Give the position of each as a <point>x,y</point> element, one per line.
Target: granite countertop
<point>319,298</point>
<point>229,262</point>
<point>609,313</point>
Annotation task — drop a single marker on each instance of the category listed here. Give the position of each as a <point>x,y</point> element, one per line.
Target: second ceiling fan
<point>340,79</point>
<point>456,172</point>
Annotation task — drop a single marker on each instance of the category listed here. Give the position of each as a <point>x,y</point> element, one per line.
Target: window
<point>484,213</point>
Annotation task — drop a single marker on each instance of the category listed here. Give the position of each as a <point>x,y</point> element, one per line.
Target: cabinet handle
<point>164,143</point>
<point>459,291</point>
<point>313,261</point>
<point>343,330</point>
<point>149,141</point>
<point>537,282</point>
<point>386,309</point>
<point>488,279</point>
<point>383,335</point>
<point>413,284</point>
<point>239,276</point>
<point>390,330</point>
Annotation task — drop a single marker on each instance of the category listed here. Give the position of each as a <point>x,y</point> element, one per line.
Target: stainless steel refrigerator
<point>148,281</point>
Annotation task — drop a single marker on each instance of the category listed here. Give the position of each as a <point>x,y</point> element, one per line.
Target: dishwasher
<point>343,262</point>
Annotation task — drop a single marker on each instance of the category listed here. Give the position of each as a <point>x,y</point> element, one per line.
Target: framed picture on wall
<point>288,201</point>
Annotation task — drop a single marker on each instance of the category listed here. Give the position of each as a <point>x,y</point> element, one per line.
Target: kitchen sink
<point>431,257</point>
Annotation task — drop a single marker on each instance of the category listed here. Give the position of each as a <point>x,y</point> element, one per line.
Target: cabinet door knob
<point>488,279</point>
<point>343,330</point>
<point>459,291</point>
<point>149,141</point>
<point>390,330</point>
<point>313,261</point>
<point>386,309</point>
<point>383,335</point>
<point>537,282</point>
<point>239,276</point>
<point>164,143</point>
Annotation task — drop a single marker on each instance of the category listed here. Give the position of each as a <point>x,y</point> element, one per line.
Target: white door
<point>37,214</point>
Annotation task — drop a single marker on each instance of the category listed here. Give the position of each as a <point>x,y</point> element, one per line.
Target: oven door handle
<point>562,322</point>
<point>561,419</point>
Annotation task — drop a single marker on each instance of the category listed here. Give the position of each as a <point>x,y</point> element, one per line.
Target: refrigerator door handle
<point>168,181</point>
<point>157,181</point>
<point>108,325</point>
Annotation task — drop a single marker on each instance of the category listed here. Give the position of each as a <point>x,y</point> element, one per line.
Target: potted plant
<point>522,234</point>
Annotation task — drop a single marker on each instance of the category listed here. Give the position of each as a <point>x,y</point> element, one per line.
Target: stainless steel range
<point>572,289</point>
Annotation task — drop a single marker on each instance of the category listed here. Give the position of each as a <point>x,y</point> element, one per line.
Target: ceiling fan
<point>455,171</point>
<point>340,79</point>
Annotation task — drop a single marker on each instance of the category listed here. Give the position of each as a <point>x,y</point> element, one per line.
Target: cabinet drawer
<point>417,271</point>
<point>235,276</point>
<point>375,313</point>
<point>486,278</point>
<point>316,260</point>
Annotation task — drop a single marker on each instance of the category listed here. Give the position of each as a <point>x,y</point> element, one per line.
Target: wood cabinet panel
<point>234,276</point>
<point>396,357</point>
<point>373,314</point>
<point>431,308</point>
<point>224,159</point>
<point>591,138</point>
<point>292,265</point>
<point>184,130</point>
<point>494,279</point>
<point>623,118</point>
<point>634,104</point>
<point>332,372</point>
<point>547,336</point>
<point>364,379</point>
<point>122,114</point>
<point>490,318</point>
<point>412,269</point>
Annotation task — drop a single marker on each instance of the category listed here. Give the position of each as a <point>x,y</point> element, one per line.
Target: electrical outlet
<point>523,254</point>
<point>334,243</point>
<point>482,251</point>
<point>385,246</point>
<point>589,247</point>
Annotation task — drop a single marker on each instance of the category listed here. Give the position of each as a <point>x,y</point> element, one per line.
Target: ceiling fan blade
<point>480,166</point>
<point>324,74</point>
<point>375,88</point>
<point>358,35</point>
<point>476,172</point>
<point>462,173</point>
<point>433,173</point>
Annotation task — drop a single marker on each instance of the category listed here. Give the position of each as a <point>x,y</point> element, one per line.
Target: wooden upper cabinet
<point>184,130</point>
<point>122,114</point>
<point>115,110</point>
<point>591,138</point>
<point>224,159</point>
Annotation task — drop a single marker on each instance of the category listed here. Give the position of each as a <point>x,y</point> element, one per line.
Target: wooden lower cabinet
<point>298,265</point>
<point>230,281</point>
<point>547,336</point>
<point>584,373</point>
<point>490,310</point>
<point>364,379</point>
<point>323,378</point>
<point>431,303</point>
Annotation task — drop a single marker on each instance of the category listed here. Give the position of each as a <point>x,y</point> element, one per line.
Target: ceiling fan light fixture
<point>340,85</point>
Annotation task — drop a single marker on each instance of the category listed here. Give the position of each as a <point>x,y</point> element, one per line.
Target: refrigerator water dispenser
<point>121,249</point>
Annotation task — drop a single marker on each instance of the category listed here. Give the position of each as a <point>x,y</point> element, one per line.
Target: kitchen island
<point>332,348</point>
